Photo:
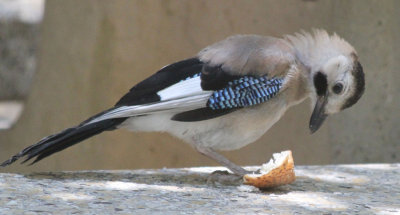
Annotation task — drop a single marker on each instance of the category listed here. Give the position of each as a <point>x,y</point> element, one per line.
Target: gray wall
<point>92,52</point>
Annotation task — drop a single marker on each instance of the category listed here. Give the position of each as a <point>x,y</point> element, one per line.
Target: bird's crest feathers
<point>315,48</point>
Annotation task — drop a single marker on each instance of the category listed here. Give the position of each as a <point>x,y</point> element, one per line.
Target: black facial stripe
<point>359,80</point>
<point>320,83</point>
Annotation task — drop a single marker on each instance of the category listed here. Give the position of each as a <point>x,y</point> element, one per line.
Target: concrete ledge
<point>347,189</point>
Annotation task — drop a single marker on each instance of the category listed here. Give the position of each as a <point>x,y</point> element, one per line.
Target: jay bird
<point>229,94</point>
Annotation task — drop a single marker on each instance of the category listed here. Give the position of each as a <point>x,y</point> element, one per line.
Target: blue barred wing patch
<point>244,92</point>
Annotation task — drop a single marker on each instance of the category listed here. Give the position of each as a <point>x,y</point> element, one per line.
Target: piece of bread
<point>278,171</point>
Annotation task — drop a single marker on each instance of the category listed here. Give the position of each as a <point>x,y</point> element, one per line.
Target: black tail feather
<point>66,138</point>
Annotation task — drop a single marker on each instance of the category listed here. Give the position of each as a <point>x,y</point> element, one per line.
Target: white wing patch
<point>185,88</point>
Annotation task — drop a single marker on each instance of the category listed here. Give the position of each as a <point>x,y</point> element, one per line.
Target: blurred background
<point>63,61</point>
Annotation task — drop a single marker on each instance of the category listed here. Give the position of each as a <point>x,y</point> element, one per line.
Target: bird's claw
<point>220,177</point>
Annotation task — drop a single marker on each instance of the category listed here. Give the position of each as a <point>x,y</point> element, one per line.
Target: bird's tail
<point>64,139</point>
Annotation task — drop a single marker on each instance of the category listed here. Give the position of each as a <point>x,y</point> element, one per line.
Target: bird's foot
<point>220,177</point>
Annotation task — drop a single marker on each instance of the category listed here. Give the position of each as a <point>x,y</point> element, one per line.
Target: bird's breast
<point>231,131</point>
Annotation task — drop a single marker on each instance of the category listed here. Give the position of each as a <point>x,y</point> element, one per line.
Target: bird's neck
<point>297,87</point>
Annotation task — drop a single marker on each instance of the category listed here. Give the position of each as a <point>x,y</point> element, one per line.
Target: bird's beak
<point>318,115</point>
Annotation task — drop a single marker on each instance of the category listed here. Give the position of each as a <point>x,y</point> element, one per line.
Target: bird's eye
<point>337,88</point>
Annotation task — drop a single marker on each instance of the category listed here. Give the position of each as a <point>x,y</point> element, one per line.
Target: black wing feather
<point>146,91</point>
<point>200,114</point>
<point>215,78</point>
<point>66,138</point>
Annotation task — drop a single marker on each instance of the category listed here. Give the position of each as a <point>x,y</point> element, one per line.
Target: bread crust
<point>278,176</point>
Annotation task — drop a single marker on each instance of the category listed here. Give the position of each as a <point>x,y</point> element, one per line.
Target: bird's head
<point>336,77</point>
<point>338,84</point>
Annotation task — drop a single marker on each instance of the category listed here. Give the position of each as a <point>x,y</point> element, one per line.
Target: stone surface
<point>342,189</point>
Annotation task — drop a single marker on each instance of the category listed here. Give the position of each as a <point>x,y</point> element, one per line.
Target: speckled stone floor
<point>341,189</point>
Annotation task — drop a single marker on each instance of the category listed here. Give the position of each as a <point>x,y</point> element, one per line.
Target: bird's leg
<point>222,160</point>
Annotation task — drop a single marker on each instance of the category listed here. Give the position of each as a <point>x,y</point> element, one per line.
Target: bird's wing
<point>212,84</point>
<point>250,54</point>
<point>242,92</point>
